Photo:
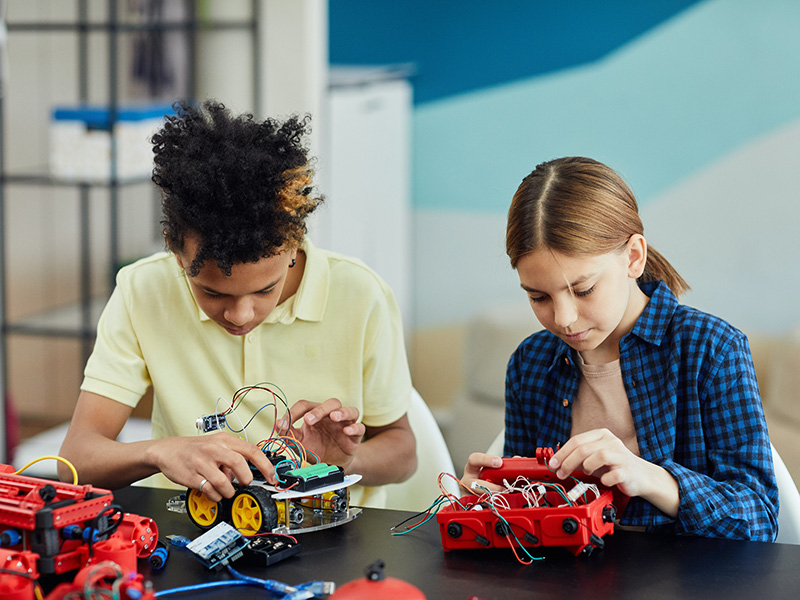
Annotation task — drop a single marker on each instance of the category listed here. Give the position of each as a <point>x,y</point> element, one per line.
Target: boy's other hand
<point>328,429</point>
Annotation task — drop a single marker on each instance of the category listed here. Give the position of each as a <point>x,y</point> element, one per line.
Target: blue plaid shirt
<point>694,399</point>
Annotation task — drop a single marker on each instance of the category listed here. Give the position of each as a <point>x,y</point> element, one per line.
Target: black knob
<point>569,525</point>
<point>47,493</point>
<point>454,530</point>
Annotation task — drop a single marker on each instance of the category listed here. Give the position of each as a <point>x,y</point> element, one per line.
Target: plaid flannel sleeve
<point>738,497</point>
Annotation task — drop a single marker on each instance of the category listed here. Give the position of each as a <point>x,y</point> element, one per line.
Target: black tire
<point>253,510</point>
<point>202,511</point>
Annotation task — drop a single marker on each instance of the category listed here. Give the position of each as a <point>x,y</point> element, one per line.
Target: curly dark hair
<point>243,187</point>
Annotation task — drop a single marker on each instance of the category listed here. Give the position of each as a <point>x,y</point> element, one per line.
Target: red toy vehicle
<point>49,527</point>
<point>535,509</point>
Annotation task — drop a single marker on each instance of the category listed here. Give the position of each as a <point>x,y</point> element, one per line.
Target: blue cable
<point>288,592</point>
<point>201,586</point>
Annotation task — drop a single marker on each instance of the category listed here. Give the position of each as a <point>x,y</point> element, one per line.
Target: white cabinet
<point>364,173</point>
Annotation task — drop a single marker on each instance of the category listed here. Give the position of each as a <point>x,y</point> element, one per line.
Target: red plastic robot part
<point>142,531</point>
<point>18,575</point>
<point>377,585</point>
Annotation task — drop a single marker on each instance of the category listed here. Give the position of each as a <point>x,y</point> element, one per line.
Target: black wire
<point>404,521</point>
<point>263,387</point>
<point>109,530</point>
<point>24,574</point>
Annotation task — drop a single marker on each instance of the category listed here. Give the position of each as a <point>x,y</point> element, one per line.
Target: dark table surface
<point>633,565</point>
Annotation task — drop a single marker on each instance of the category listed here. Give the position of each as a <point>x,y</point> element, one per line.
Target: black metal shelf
<point>64,321</point>
<point>78,320</point>
<point>121,27</point>
<point>43,179</point>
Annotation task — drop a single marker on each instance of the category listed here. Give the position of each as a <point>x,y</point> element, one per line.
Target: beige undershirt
<point>602,402</point>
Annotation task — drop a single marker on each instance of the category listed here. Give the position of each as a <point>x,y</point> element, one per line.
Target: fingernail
<point>310,418</point>
<point>553,463</point>
<point>496,462</point>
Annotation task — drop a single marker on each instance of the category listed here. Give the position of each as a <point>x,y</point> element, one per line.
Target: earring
<point>294,262</point>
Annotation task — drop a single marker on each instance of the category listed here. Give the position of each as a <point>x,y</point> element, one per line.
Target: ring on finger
<point>202,483</point>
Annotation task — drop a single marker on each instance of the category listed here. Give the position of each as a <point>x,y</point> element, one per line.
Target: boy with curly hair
<point>242,297</point>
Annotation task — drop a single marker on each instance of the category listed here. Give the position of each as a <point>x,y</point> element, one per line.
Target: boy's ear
<point>637,255</point>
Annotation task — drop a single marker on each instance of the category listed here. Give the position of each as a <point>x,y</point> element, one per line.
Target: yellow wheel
<point>253,510</point>
<point>203,512</point>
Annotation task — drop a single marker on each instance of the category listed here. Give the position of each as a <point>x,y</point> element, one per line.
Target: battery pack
<point>309,478</point>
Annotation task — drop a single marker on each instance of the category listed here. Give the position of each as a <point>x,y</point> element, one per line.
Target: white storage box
<point>80,141</point>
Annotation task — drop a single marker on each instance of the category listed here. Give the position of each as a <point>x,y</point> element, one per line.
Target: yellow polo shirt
<point>340,336</point>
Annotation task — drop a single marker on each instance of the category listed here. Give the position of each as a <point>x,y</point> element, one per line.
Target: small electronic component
<point>177,504</point>
<point>312,477</point>
<point>270,548</point>
<point>179,541</point>
<point>218,546</point>
<point>580,489</point>
<point>274,457</point>
<point>159,556</point>
<point>208,423</point>
<point>279,461</point>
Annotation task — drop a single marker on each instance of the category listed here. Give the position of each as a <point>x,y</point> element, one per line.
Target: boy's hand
<point>329,430</point>
<point>209,463</point>
<point>473,470</point>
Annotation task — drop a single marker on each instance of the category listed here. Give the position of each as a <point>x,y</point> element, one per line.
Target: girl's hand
<point>601,454</point>
<point>473,470</point>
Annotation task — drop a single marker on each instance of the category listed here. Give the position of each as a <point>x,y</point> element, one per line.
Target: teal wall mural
<point>682,98</point>
<point>459,46</point>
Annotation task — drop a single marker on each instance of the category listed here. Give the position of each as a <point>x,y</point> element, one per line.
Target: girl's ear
<point>637,255</point>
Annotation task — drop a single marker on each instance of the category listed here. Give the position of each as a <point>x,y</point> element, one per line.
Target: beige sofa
<point>777,361</point>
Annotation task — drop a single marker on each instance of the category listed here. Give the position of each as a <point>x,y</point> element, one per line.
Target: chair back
<point>419,491</point>
<point>496,447</point>
<point>789,498</point>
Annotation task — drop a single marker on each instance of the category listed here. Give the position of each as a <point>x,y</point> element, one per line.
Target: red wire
<point>514,550</point>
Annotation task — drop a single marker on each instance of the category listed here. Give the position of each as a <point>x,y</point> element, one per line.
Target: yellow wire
<point>58,458</point>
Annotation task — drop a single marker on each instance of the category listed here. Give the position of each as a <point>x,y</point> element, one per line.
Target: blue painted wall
<point>461,46</point>
<point>679,97</point>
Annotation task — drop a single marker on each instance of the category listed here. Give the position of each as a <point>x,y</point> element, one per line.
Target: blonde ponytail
<point>658,268</point>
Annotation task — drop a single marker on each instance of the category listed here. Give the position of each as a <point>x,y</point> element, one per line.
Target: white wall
<point>731,230</point>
